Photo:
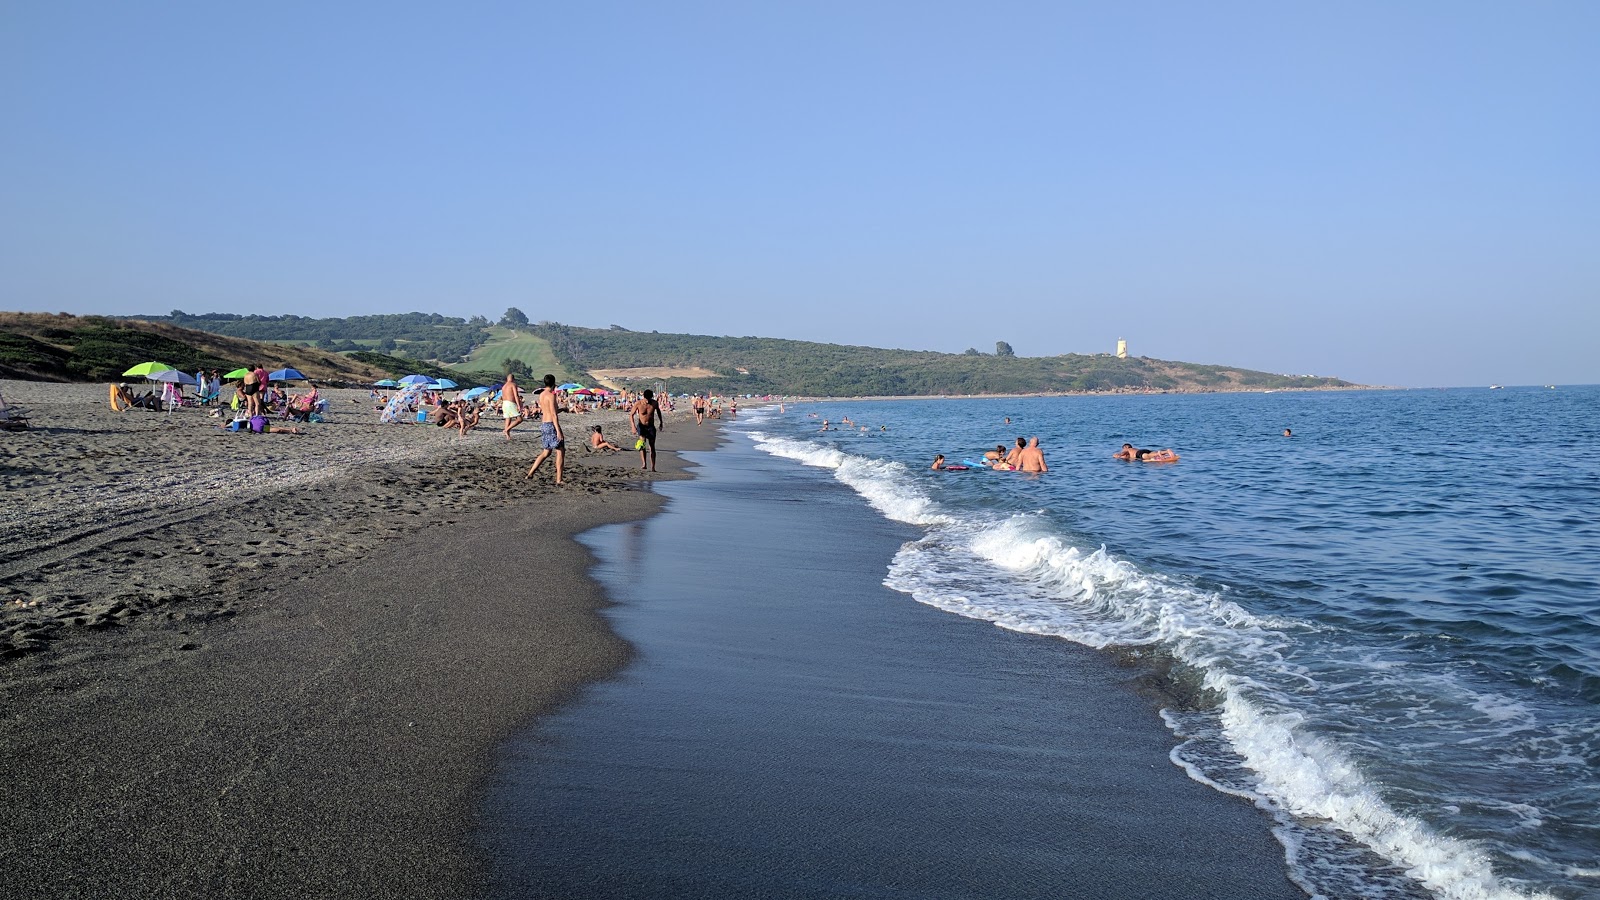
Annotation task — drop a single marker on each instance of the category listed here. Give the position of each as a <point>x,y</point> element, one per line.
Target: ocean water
<point>1384,630</point>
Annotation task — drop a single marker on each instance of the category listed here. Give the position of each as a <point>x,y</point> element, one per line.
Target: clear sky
<point>1394,193</point>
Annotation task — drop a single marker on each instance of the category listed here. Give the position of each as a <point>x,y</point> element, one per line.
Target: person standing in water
<point>1031,459</point>
<point>644,416</point>
<point>551,438</point>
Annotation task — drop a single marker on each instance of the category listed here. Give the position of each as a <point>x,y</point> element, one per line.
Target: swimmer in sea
<point>1134,454</point>
<point>1015,456</point>
<point>1288,433</point>
<point>1032,458</point>
<point>938,462</point>
<point>995,455</point>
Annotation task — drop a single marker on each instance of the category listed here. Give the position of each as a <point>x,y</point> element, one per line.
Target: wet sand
<point>791,727</point>
<point>241,665</point>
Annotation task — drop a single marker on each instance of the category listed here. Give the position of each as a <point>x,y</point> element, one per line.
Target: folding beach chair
<point>12,418</point>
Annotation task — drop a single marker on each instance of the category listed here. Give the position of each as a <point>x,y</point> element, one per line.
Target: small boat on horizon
<point>1496,387</point>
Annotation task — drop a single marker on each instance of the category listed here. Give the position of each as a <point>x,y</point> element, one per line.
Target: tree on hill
<point>971,351</point>
<point>1001,348</point>
<point>514,318</point>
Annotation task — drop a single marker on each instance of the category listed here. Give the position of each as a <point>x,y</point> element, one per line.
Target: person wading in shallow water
<point>550,437</point>
<point>643,416</point>
<point>1032,458</point>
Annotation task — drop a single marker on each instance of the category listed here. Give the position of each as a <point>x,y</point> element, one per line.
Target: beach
<point>277,665</point>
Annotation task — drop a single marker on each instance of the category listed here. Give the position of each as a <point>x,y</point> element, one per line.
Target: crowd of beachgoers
<point>104,495</point>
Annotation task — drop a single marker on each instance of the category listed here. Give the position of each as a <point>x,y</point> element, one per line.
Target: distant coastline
<point>359,351</point>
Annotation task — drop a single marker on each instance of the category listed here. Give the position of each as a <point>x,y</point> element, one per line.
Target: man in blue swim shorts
<point>550,435</point>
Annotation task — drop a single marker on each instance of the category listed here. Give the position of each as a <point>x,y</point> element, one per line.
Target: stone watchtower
<point>1122,349</point>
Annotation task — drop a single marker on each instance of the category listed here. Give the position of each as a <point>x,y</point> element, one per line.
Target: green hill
<point>507,344</point>
<point>472,351</point>
<point>769,365</point>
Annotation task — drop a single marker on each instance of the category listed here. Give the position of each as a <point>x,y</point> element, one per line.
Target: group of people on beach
<point>645,420</point>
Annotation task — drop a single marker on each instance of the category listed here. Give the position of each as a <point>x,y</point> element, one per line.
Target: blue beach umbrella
<point>290,374</point>
<point>387,382</point>
<point>444,384</point>
<point>571,386</point>
<point>416,379</point>
<point>477,392</point>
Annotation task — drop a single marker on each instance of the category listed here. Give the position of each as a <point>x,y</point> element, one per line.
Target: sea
<point>1384,629</point>
<point>1376,642</point>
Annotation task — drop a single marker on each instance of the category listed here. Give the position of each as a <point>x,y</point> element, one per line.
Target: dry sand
<point>259,665</point>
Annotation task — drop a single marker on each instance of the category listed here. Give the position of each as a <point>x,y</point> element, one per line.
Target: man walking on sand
<point>511,403</point>
<point>643,417</point>
<point>550,436</point>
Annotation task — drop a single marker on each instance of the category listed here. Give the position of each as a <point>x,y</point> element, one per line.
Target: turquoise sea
<point>1384,630</point>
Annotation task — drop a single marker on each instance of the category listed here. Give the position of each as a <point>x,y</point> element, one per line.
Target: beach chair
<point>12,418</point>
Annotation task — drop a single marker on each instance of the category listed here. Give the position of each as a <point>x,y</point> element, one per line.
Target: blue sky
<point>1393,193</point>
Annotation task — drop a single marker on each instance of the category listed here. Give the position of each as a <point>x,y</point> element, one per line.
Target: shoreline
<point>284,689</point>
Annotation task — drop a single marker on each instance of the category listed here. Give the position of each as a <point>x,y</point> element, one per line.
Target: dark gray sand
<point>285,692</point>
<point>791,728</point>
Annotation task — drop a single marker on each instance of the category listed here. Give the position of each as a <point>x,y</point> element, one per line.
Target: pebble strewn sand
<point>110,516</point>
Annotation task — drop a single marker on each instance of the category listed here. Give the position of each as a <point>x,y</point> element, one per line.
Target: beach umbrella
<point>585,391</point>
<point>416,379</point>
<point>289,374</point>
<point>476,392</point>
<point>172,375</point>
<point>445,384</point>
<point>387,382</point>
<point>146,368</point>
<point>571,386</point>
<point>236,373</point>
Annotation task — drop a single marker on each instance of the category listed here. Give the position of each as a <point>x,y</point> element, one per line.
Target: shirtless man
<point>550,437</point>
<point>1015,456</point>
<point>511,406</point>
<point>1031,459</point>
<point>699,405</point>
<point>643,417</point>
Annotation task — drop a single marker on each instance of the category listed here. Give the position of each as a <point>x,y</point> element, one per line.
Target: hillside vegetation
<point>472,351</point>
<point>769,365</point>
<point>45,347</point>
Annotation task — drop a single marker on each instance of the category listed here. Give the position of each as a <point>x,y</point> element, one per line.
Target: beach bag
<point>258,424</point>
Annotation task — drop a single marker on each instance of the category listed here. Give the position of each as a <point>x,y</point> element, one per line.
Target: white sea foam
<point>1022,573</point>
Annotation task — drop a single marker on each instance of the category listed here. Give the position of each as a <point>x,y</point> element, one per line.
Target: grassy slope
<point>507,344</point>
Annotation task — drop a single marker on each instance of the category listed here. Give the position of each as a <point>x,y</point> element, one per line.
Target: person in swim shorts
<point>550,436</point>
<point>644,415</point>
<point>511,404</point>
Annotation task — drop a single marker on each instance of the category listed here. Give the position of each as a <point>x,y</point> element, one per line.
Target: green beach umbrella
<point>146,368</point>
<point>237,373</point>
